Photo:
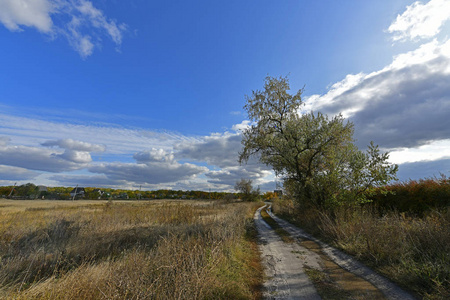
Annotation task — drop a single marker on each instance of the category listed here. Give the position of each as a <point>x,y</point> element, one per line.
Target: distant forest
<point>31,191</point>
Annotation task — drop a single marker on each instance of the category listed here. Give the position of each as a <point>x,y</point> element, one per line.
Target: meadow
<point>128,250</point>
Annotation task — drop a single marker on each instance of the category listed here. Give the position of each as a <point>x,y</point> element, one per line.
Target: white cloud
<point>40,159</point>
<point>421,20</point>
<point>29,13</point>
<point>119,140</point>
<point>75,145</point>
<point>84,30</point>
<point>241,126</point>
<point>76,155</point>
<point>435,150</point>
<point>406,104</point>
<point>154,155</point>
<point>75,151</point>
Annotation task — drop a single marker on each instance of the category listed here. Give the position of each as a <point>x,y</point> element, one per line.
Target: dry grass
<point>414,252</point>
<point>128,250</point>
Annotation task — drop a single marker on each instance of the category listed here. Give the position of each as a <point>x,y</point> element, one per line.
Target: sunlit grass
<point>128,250</point>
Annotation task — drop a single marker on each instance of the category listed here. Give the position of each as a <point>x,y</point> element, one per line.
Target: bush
<point>414,196</point>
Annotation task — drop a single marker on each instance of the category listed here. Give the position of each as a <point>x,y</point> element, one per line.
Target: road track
<point>285,265</point>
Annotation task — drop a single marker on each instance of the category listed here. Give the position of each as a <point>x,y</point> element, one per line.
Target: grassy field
<point>412,251</point>
<point>128,250</point>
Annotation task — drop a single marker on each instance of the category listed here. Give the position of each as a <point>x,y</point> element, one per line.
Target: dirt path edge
<point>387,287</point>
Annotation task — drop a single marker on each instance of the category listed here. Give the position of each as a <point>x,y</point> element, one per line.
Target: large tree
<point>313,153</point>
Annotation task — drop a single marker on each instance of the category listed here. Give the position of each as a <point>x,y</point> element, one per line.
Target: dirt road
<point>288,263</point>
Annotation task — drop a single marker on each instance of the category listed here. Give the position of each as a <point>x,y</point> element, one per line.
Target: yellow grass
<point>127,250</point>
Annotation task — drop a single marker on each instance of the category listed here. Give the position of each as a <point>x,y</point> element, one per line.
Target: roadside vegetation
<point>129,250</point>
<point>330,280</point>
<point>411,250</point>
<point>342,194</point>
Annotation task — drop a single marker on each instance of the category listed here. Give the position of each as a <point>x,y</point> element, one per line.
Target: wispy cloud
<point>116,140</point>
<point>125,157</point>
<point>79,21</point>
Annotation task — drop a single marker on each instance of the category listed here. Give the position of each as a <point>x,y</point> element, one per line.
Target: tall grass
<point>129,251</point>
<point>413,251</point>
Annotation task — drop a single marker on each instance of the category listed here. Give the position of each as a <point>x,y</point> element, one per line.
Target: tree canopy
<point>314,154</point>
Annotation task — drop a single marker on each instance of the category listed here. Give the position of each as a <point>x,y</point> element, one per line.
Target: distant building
<point>42,191</point>
<point>98,192</point>
<point>42,188</point>
<point>77,192</point>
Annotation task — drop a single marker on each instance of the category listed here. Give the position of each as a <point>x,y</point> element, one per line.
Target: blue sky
<point>130,93</point>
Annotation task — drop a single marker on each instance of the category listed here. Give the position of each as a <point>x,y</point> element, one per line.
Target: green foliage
<point>63,193</point>
<point>313,153</point>
<point>27,190</point>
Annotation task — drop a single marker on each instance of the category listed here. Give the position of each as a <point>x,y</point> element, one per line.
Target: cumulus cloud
<point>75,155</point>
<point>406,104</point>
<point>154,155</point>
<point>84,24</point>
<point>75,151</point>
<point>30,13</point>
<point>420,20</point>
<point>241,126</point>
<point>34,158</point>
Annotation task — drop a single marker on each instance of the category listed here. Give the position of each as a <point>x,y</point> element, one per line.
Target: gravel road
<point>285,265</point>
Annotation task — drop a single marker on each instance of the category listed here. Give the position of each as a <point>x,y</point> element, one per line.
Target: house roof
<point>78,190</point>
